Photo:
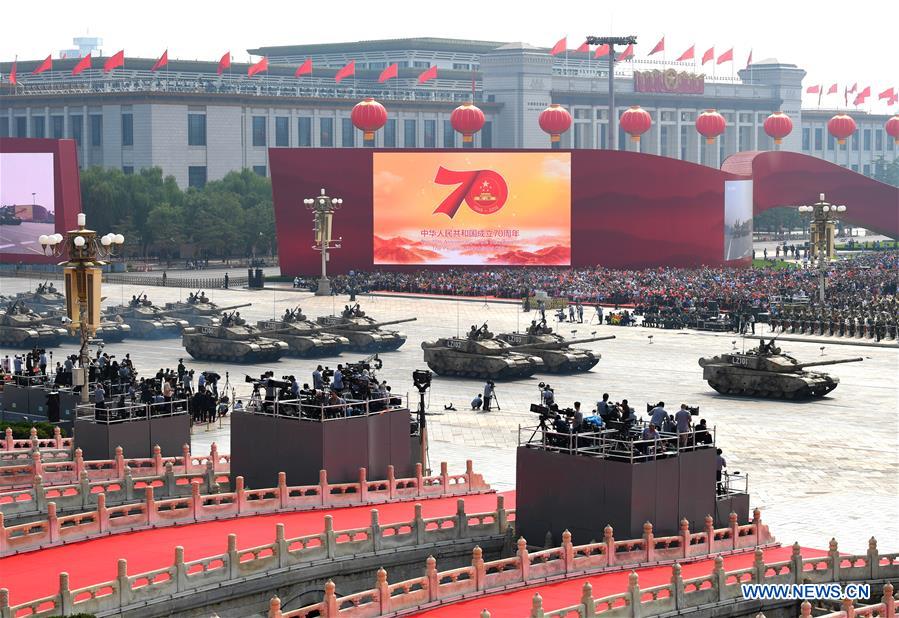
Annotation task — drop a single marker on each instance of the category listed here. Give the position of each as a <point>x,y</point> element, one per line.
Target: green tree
<point>781,218</point>
<point>887,171</point>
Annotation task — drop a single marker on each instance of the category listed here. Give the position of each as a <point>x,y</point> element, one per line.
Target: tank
<point>304,338</point>
<point>44,298</point>
<point>8,216</point>
<point>766,371</point>
<point>479,355</point>
<point>363,332</point>
<point>555,350</point>
<point>22,328</point>
<point>109,331</point>
<point>146,320</point>
<point>232,342</point>
<point>197,310</point>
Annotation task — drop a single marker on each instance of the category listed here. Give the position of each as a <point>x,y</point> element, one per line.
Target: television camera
<point>694,410</point>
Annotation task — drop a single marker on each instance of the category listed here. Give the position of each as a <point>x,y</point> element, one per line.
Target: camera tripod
<point>542,427</point>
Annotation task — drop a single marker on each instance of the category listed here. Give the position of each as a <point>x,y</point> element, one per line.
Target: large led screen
<point>27,200</point>
<point>737,219</point>
<point>491,208</point>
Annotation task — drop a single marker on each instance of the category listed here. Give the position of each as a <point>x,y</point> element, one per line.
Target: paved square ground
<point>820,469</point>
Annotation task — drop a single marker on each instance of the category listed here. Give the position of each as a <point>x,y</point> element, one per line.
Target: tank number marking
<point>330,320</point>
<point>739,360</point>
<point>517,339</point>
<point>454,343</point>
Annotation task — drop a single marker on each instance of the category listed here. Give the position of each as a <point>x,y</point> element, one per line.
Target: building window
<point>831,142</point>
<point>259,169</point>
<point>664,146</point>
<point>38,128</point>
<point>421,64</point>
<point>282,131</point>
<point>866,169</point>
<point>430,134</point>
<point>75,128</point>
<point>891,144</point>
<point>304,130</point>
<point>347,133</point>
<point>867,137</point>
<point>580,135</point>
<point>855,139</point>
<point>96,130</point>
<point>449,135</point>
<point>196,129</point>
<point>687,116</point>
<point>326,127</point>
<point>196,176</point>
<point>259,130</point>
<point>582,114</point>
<point>878,141</point>
<point>128,170</point>
<point>127,130</point>
<point>390,134</point>
<point>409,129</point>
<point>746,118</point>
<point>601,131</point>
<point>487,135</point>
<point>57,126</point>
<point>4,127</point>
<point>683,143</point>
<point>806,138</point>
<point>21,126</point>
<point>854,167</point>
<point>461,66</point>
<point>668,116</point>
<point>819,138</point>
<point>745,137</point>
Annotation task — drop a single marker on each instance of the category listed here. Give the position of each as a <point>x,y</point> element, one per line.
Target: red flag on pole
<point>429,74</point>
<point>389,73</point>
<point>46,65</point>
<point>162,62</point>
<point>628,53</point>
<point>83,64</point>
<point>602,50</point>
<point>894,100</point>
<point>114,61</point>
<point>886,94</point>
<point>708,55</point>
<point>854,88</point>
<point>259,67</point>
<point>304,69</point>
<point>864,94</point>
<point>660,46</point>
<point>832,89</point>
<point>813,89</point>
<point>749,60</point>
<point>224,63</point>
<point>584,48</point>
<point>346,71</point>
<point>559,47</point>
<point>688,55</point>
<point>12,74</point>
<point>727,56</point>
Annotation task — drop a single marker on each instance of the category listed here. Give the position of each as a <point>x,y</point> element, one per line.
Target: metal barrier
<point>885,609</point>
<point>309,410</point>
<point>130,412</point>
<point>126,279</point>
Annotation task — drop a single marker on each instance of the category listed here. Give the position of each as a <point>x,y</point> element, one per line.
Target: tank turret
<point>304,338</point>
<point>479,356</point>
<point>556,351</point>
<point>199,312</point>
<point>146,320</point>
<point>43,298</point>
<point>21,327</point>
<point>233,343</point>
<point>766,371</point>
<point>363,332</point>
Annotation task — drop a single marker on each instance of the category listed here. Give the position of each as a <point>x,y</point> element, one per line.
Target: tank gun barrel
<point>558,344</point>
<point>230,307</point>
<point>828,362</point>
<point>389,322</point>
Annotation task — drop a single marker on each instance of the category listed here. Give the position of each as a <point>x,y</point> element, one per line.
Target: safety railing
<point>308,409</point>
<point>725,586</point>
<point>11,445</point>
<point>144,280</point>
<point>523,568</point>
<point>192,506</point>
<point>281,555</point>
<point>885,609</point>
<point>113,412</point>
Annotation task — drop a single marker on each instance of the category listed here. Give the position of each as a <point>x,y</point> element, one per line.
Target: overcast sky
<point>842,43</point>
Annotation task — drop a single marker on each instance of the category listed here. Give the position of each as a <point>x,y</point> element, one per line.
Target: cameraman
<point>337,379</point>
<point>488,394</point>
<point>318,382</point>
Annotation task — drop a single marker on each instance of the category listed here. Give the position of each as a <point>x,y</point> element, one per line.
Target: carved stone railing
<point>885,609</point>
<point>485,577</point>
<point>65,472</point>
<point>725,586</point>
<point>10,446</point>
<point>193,506</point>
<point>236,564</point>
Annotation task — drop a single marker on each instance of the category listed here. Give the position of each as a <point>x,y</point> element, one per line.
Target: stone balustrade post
<point>461,520</point>
<point>119,460</point>
<point>419,525</point>
<point>524,559</point>
<point>281,545</point>
<point>78,460</point>
<point>37,469</point>
<point>537,606</point>
<point>123,584</point>
<point>37,492</point>
<point>363,485</point>
<point>758,565</point>
<point>150,505</point>
<point>102,513</point>
<point>240,495</point>
<point>57,438</point>
<point>719,580</point>
<point>502,517</point>
<point>65,595</point>
<point>8,439</point>
<point>796,564</point>
<point>873,556</point>
<point>274,608</point>
<point>52,522</point>
<point>734,528</point>
<point>834,554</point>
<point>649,544</point>
<point>469,472</point>
<point>233,558</point>
<point>171,486</point>
<point>180,570</point>
<point>383,591</point>
<point>209,478</point>
<point>3,540</point>
<point>329,602</point>
<point>391,482</point>
<point>587,600</point>
<point>677,586</point>
<point>633,593</point>
<point>283,494</point>
<point>419,479</point>
<point>196,502</point>
<point>323,488</point>
<point>185,457</point>
<point>805,610</point>
<point>567,551</point>
<point>444,477</point>
<point>848,608</point>
<point>4,603</point>
<point>433,580</point>
<point>375,531</point>
<point>214,455</point>
<point>32,436</point>
<point>757,525</point>
<point>477,565</point>
<point>609,540</point>
<point>128,484</point>
<point>84,490</point>
<point>710,536</point>
<point>889,601</point>
<point>330,543</point>
<point>157,459</point>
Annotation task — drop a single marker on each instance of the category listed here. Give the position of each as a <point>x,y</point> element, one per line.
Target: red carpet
<point>566,593</point>
<point>36,574</point>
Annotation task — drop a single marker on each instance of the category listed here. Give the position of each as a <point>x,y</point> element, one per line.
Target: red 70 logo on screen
<point>485,191</point>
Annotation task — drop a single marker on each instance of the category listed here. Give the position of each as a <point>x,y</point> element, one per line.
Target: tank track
<point>390,345</point>
<point>807,392</point>
<point>166,332</point>
<point>507,373</point>
<point>570,367</point>
<point>252,358</point>
<point>316,351</point>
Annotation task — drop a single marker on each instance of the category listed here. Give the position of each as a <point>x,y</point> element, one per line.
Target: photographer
<point>318,382</point>
<point>477,402</point>
<point>488,394</point>
<point>683,420</point>
<point>337,379</point>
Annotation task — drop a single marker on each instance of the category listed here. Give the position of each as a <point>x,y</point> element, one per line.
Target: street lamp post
<point>83,274</point>
<point>612,41</point>
<point>323,208</point>
<point>821,235</point>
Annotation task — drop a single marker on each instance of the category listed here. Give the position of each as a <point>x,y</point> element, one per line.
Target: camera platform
<point>301,439</point>
<point>137,428</point>
<point>582,482</point>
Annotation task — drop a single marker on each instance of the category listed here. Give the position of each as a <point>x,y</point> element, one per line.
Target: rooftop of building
<point>414,43</point>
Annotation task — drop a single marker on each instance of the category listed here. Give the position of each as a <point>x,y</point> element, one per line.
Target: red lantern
<point>841,127</point>
<point>368,116</point>
<point>778,125</point>
<point>635,121</point>
<point>710,125</point>
<point>892,128</point>
<point>467,119</point>
<point>555,120</point>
